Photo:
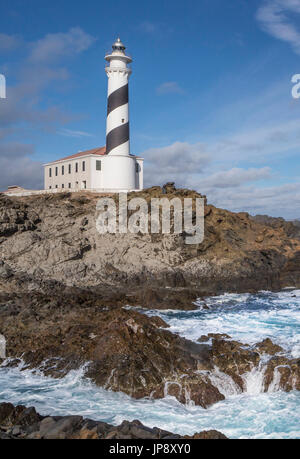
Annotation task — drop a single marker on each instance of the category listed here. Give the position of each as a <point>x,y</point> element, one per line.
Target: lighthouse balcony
<point>111,56</point>
<point>118,70</point>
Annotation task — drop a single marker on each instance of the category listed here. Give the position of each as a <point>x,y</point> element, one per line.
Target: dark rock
<point>75,427</point>
<point>208,435</point>
<point>63,288</point>
<point>64,428</point>
<point>204,338</point>
<point>5,271</point>
<point>268,347</point>
<point>159,322</point>
<point>6,411</point>
<point>169,188</point>
<point>229,259</point>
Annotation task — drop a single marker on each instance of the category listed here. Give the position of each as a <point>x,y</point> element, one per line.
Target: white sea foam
<point>273,415</point>
<point>247,318</point>
<point>254,380</point>
<point>253,414</point>
<point>224,383</point>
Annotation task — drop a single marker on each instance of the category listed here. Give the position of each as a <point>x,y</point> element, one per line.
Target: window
<point>137,169</point>
<point>63,186</point>
<point>56,186</point>
<point>69,185</point>
<point>50,172</point>
<point>76,167</point>
<point>69,168</point>
<point>62,170</point>
<point>83,166</point>
<point>56,171</point>
<point>98,165</point>
<point>50,187</point>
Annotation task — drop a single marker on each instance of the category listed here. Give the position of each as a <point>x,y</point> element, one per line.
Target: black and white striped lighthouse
<point>117,124</point>
<point>120,170</point>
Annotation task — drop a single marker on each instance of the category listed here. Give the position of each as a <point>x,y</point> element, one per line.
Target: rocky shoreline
<point>65,292</point>
<point>19,422</point>
<point>125,350</point>
<point>53,239</point>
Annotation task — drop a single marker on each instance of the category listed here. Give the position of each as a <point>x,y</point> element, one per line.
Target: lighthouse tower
<point>122,166</point>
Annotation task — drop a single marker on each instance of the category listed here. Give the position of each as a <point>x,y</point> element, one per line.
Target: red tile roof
<point>100,151</point>
<point>95,151</point>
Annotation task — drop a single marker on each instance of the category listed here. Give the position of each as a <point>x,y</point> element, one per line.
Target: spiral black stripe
<point>117,136</point>
<point>117,98</point>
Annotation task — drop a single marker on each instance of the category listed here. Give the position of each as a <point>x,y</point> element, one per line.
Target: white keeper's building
<point>111,168</point>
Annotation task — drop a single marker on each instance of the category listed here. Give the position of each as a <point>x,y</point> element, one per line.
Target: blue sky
<point>210,94</point>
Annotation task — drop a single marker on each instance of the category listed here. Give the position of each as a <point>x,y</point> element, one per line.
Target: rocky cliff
<point>53,238</point>
<point>63,288</point>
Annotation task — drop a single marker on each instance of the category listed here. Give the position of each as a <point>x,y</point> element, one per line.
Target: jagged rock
<point>127,351</point>
<point>205,338</point>
<point>268,347</point>
<point>19,415</point>
<point>169,187</point>
<point>59,429</point>
<point>233,357</point>
<point>159,322</point>
<point>76,427</point>
<point>208,435</point>
<point>292,228</point>
<point>5,271</point>
<point>53,238</point>
<point>63,288</point>
<point>285,371</point>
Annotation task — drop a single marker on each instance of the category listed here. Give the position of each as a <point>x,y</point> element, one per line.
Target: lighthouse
<point>112,168</point>
<point>123,167</point>
<point>117,122</point>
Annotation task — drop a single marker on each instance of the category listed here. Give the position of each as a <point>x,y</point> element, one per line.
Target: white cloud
<point>235,177</point>
<point>56,45</point>
<point>148,27</point>
<point>25,173</point>
<point>17,167</point>
<point>192,164</point>
<point>272,16</point>
<point>169,87</point>
<point>258,144</point>
<point>21,110</point>
<point>8,42</point>
<point>277,201</point>
<point>236,189</point>
<point>176,162</point>
<point>154,29</point>
<point>71,133</point>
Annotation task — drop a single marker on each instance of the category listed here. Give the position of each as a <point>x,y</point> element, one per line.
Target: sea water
<point>254,414</point>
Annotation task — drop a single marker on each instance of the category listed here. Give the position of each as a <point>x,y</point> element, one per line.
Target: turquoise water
<point>253,414</point>
<point>247,318</point>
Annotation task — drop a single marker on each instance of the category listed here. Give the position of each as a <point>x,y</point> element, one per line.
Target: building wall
<point>140,174</point>
<point>75,179</point>
<point>117,173</point>
<point>96,176</point>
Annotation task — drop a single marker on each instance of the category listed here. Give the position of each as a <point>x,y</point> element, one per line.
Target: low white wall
<point>64,190</point>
